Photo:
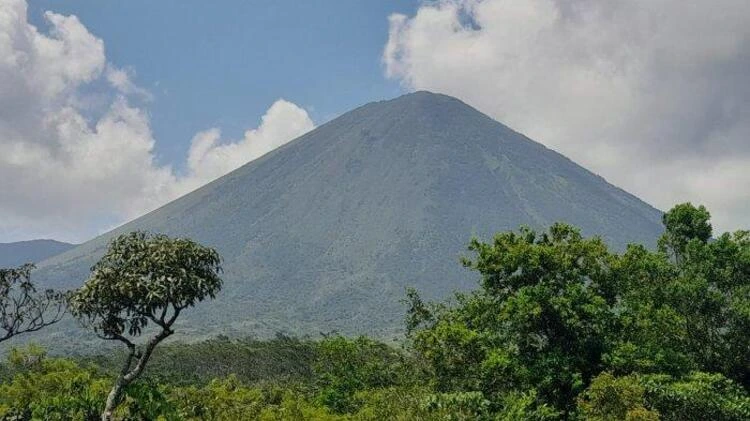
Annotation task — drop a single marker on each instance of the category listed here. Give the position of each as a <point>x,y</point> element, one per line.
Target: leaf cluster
<point>144,279</point>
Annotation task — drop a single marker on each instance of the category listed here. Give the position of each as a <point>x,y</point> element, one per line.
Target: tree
<point>555,310</point>
<point>687,306</point>
<point>696,396</point>
<point>612,398</point>
<point>537,325</point>
<point>345,367</point>
<point>684,223</point>
<point>22,309</point>
<point>143,280</point>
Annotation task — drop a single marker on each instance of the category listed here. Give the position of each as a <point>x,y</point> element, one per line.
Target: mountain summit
<point>325,232</point>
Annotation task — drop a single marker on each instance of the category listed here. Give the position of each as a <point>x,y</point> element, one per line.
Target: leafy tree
<point>22,308</point>
<point>555,310</point>
<point>684,223</point>
<point>538,322</point>
<point>143,279</point>
<point>560,328</point>
<point>344,367</point>
<point>697,396</point>
<point>612,398</point>
<point>687,313</point>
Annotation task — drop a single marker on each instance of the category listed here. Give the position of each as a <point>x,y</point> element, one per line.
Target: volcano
<point>325,233</point>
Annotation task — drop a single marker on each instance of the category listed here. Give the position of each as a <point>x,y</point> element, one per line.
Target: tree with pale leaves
<point>143,281</point>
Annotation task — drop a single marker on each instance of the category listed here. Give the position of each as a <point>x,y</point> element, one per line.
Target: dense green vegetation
<point>560,327</point>
<point>561,319</point>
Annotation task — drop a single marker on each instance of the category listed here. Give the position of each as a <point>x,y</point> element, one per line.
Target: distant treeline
<point>559,328</point>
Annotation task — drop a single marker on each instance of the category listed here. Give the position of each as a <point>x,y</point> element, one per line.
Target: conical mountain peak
<point>325,232</point>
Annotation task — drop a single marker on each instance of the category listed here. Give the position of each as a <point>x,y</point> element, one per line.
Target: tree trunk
<point>128,375</point>
<point>115,395</point>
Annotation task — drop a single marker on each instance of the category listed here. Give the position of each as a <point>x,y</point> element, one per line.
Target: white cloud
<point>653,95</point>
<point>73,163</point>
<point>210,158</point>
<point>121,80</point>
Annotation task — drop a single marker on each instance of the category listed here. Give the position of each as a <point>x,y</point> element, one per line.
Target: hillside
<point>33,251</point>
<point>325,232</point>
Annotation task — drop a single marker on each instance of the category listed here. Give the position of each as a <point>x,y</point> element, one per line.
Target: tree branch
<point>144,357</point>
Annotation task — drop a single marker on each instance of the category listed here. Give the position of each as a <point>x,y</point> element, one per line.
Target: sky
<point>109,109</point>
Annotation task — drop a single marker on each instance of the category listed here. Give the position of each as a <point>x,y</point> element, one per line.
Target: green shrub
<point>615,398</point>
<point>50,389</point>
<point>698,396</point>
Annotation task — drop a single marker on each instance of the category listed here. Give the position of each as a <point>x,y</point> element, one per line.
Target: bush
<point>50,389</point>
<point>615,398</point>
<point>698,396</point>
<point>344,367</point>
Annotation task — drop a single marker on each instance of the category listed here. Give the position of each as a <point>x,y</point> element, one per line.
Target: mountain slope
<point>325,232</point>
<point>33,251</point>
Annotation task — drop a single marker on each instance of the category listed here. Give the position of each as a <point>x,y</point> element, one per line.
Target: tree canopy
<point>144,279</point>
<point>555,311</point>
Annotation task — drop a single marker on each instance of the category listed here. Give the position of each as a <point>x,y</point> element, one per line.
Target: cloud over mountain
<point>210,158</point>
<point>653,95</point>
<point>75,136</point>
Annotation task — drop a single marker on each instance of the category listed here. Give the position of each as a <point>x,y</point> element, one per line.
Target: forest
<point>559,327</point>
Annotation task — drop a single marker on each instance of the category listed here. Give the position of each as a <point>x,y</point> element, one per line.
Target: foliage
<point>538,322</point>
<point>143,279</point>
<point>42,388</point>
<point>50,389</point>
<point>688,314</point>
<point>344,367</point>
<point>560,328</point>
<point>223,399</point>
<point>697,396</point>
<point>555,311</point>
<point>684,223</point>
<point>612,398</point>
